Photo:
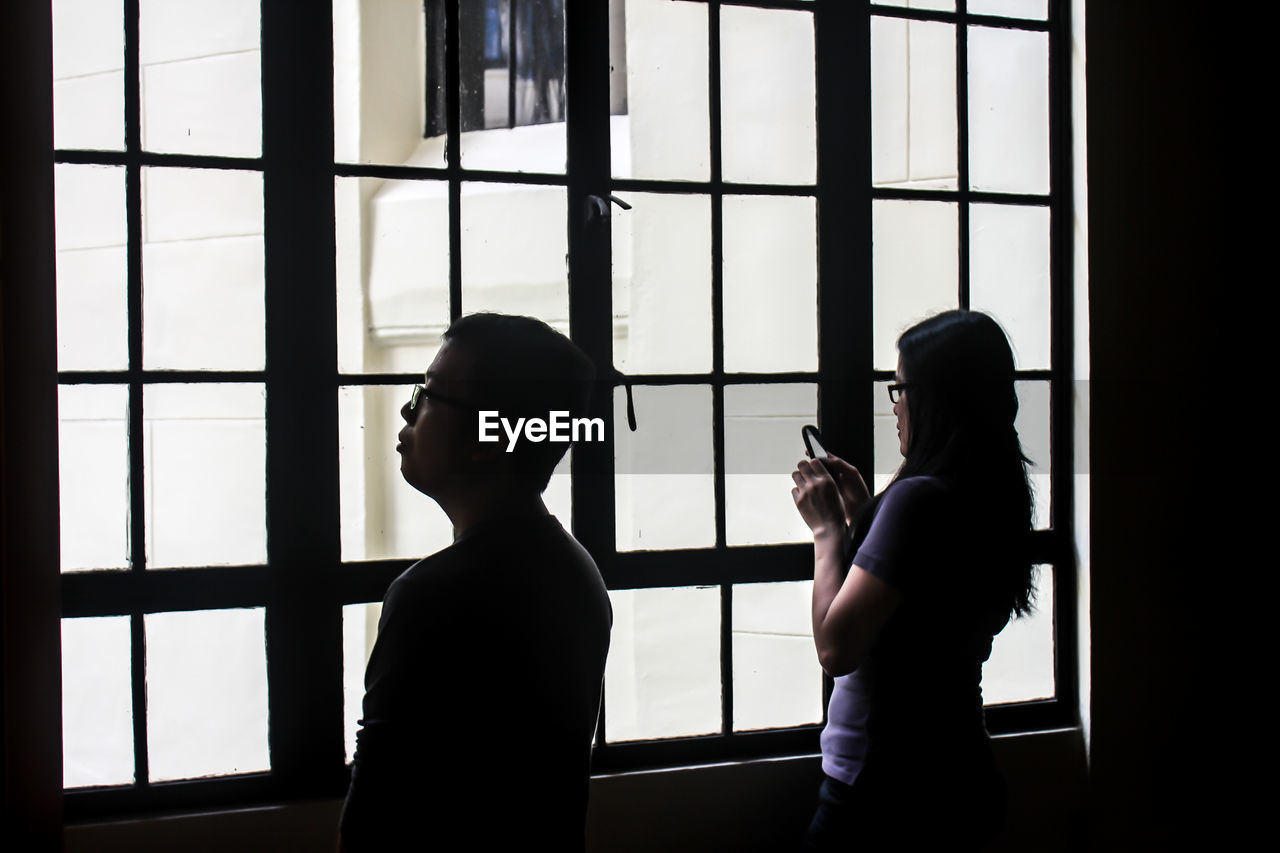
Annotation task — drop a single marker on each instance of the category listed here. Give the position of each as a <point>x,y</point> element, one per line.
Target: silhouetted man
<point>483,688</point>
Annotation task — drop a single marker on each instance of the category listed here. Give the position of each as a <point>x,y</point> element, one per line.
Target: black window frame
<point>305,582</point>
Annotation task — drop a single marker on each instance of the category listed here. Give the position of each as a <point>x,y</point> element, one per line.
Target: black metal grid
<point>304,582</point>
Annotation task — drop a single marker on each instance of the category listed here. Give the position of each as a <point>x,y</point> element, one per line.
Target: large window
<point>734,207</point>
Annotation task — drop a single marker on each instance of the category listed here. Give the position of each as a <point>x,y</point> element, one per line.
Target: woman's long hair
<point>961,404</point>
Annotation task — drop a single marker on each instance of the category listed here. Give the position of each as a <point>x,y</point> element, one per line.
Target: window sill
<point>725,805</point>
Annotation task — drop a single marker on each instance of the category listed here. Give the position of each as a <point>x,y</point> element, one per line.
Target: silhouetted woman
<point>909,588</point>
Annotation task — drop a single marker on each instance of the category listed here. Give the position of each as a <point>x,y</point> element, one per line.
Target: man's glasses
<point>896,389</point>
<point>421,392</point>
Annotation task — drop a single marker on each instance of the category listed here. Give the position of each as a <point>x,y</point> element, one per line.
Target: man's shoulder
<point>526,550</point>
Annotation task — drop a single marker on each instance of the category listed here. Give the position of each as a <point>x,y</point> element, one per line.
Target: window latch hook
<point>598,207</point>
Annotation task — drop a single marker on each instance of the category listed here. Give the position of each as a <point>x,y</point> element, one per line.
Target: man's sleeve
<point>380,763</point>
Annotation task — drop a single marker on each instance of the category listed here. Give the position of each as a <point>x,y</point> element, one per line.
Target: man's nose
<point>406,413</point>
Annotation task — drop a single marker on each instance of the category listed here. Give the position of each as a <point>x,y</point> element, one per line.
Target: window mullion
<point>133,278</point>
<point>1062,346</point>
<point>303,621</point>
<point>843,50</point>
<point>590,270</point>
<point>962,154</point>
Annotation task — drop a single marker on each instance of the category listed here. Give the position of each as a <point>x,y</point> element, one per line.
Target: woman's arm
<point>849,610</point>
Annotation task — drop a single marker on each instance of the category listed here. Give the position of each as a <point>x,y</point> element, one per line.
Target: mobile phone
<point>813,441</point>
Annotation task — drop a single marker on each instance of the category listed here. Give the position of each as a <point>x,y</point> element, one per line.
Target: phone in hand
<point>813,441</point>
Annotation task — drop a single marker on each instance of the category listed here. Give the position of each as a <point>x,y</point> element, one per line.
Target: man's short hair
<point>523,368</point>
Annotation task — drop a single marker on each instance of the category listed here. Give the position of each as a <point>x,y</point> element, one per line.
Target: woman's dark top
<point>908,722</point>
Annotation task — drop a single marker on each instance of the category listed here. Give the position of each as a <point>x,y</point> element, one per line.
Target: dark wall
<point>1156,277</point>
<point>29,628</point>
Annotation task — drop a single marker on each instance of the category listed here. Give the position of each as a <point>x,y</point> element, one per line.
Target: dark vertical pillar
<point>1156,99</point>
<point>304,622</point>
<point>29,583</point>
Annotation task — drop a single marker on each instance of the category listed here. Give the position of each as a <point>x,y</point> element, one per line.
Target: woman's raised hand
<point>818,498</point>
<point>828,503</point>
<point>853,489</point>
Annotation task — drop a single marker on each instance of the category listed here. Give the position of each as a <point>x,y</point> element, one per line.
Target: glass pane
<point>1033,431</point>
<point>662,284</point>
<point>392,273</point>
<point>206,693</point>
<point>661,115</point>
<point>1008,110</point>
<point>761,447</point>
<point>93,476</point>
<point>770,284</point>
<point>512,122</point>
<point>88,74</point>
<point>664,487</point>
<point>888,453</point>
<point>383,517</point>
<point>388,76</point>
<point>662,678</point>
<point>515,251</point>
<point>776,677</point>
<point>206,452</point>
<point>915,269</point>
<point>1037,9</point>
<point>488,84</point>
<point>1009,275</point>
<point>97,702</point>
<point>1021,664</point>
<point>913,104</point>
<point>201,76</point>
<point>202,266</point>
<point>90,229</point>
<point>359,631</point>
<point>767,94</point>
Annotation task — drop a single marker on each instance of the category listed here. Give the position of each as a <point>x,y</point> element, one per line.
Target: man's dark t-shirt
<point>481,696</point>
